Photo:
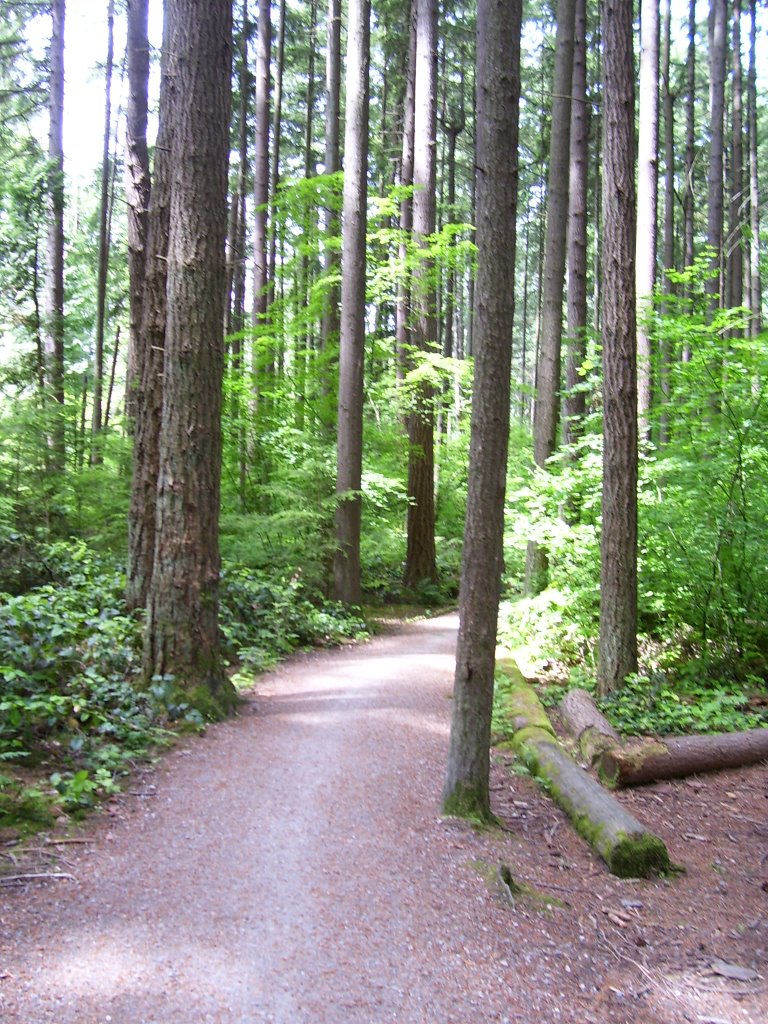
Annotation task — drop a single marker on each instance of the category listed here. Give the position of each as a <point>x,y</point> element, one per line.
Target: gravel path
<point>292,867</point>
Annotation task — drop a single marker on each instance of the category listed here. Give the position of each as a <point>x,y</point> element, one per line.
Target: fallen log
<point>678,756</point>
<point>629,849</point>
<point>587,724</point>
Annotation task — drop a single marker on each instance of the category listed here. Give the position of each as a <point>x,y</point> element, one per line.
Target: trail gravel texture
<point>292,866</point>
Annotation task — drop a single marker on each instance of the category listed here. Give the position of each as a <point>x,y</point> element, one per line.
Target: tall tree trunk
<point>349,458</point>
<point>53,317</point>
<point>182,633</point>
<point>665,351</point>
<point>755,287</point>
<point>330,327</point>
<point>261,163</point>
<point>149,347</point>
<point>466,790</point>
<point>735,247</point>
<point>717,54</point>
<point>647,201</point>
<point>546,407</point>
<point>420,559</point>
<point>137,180</point>
<point>575,402</point>
<point>403,302</point>
<point>618,547</point>
<point>101,284</point>
<point>690,137</point>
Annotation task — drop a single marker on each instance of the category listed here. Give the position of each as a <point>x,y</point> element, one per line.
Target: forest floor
<point>292,866</point>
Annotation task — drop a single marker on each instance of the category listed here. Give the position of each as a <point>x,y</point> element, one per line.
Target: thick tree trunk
<point>182,633</point>
<point>420,558</point>
<point>53,316</point>
<point>149,347</point>
<point>137,181</point>
<point>261,163</point>
<point>618,547</point>
<point>735,247</point>
<point>498,62</point>
<point>575,401</point>
<point>675,757</point>
<point>330,326</point>
<point>647,201</point>
<point>670,199</point>
<point>403,301</point>
<point>690,137</point>
<point>626,846</point>
<point>349,453</point>
<point>546,407</point>
<point>591,729</point>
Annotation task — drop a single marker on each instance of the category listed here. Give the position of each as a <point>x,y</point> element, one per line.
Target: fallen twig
<point>5,879</point>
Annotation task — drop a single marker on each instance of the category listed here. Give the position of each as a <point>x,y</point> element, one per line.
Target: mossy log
<point>588,726</point>
<point>629,850</point>
<point>678,756</point>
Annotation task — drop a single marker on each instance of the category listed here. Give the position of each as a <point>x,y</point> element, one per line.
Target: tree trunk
<point>690,137</point>
<point>420,559</point>
<point>735,247</point>
<point>149,347</point>
<point>498,94</point>
<point>137,181</point>
<point>330,327</point>
<point>403,301</point>
<point>575,402</point>
<point>717,54</point>
<point>675,757</point>
<point>182,632</point>
<point>647,201</point>
<point>626,846</point>
<point>755,287</point>
<point>53,317</point>
<point>618,546</point>
<point>546,406</point>
<point>665,351</point>
<point>261,164</point>
<point>591,729</point>
<point>101,284</point>
<point>349,458</point>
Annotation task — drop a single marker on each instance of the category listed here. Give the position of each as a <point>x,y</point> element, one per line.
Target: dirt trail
<point>292,867</point>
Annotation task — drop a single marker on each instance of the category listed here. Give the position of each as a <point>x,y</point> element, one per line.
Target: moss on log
<point>678,756</point>
<point>629,850</point>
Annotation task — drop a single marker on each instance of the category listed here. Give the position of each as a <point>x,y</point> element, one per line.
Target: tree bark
<point>591,729</point>
<point>690,137</point>
<point>349,456</point>
<point>330,326</point>
<point>575,402</point>
<point>53,317</point>
<point>149,346</point>
<point>755,286</point>
<point>403,301</point>
<point>626,846</point>
<point>101,283</point>
<point>717,55</point>
<point>420,559</point>
<point>546,406</point>
<point>182,633</point>
<point>647,201</point>
<point>676,757</point>
<point>618,546</point>
<point>498,95</point>
<point>261,163</point>
<point>735,247</point>
<point>670,199</point>
<point>137,180</point>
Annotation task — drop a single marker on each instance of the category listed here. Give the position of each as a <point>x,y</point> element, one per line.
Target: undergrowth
<point>73,718</point>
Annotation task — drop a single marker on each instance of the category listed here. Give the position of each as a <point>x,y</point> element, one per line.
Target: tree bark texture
<point>403,302</point>
<point>618,547</point>
<point>670,200</point>
<point>588,726</point>
<point>137,179</point>
<point>182,635</point>
<point>690,136</point>
<point>53,316</point>
<point>735,246</point>
<point>104,232</point>
<point>676,757</point>
<point>717,61</point>
<point>647,200</point>
<point>575,402</point>
<point>546,406</point>
<point>149,345</point>
<point>498,97</point>
<point>331,325</point>
<point>349,453</point>
<point>420,559</point>
<point>627,847</point>
<point>261,162</point>
<point>755,286</point>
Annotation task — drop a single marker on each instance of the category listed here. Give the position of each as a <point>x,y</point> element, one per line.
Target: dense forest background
<point>73,291</point>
